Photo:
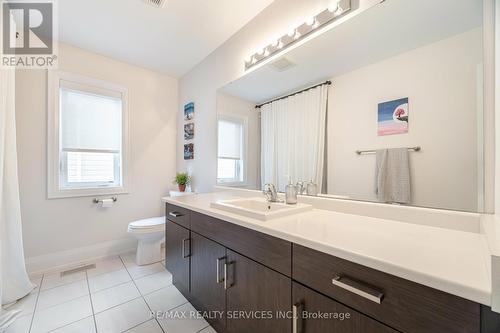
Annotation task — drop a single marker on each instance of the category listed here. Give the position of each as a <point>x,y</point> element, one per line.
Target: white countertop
<point>453,261</point>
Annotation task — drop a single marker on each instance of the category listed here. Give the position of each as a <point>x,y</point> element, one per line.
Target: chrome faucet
<point>271,193</point>
<point>301,188</point>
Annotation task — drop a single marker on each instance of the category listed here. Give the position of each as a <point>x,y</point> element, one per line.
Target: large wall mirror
<point>393,113</point>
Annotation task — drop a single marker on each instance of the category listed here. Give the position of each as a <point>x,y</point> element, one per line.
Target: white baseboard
<point>58,261</point>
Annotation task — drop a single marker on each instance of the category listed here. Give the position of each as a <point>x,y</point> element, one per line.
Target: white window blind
<point>231,143</point>
<point>230,139</point>
<point>90,137</point>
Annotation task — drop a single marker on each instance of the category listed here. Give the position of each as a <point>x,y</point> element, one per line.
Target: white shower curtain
<point>293,133</point>
<point>15,283</point>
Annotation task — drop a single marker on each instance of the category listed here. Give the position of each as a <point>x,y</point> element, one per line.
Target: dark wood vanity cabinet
<point>210,265</point>
<point>178,252</point>
<point>208,260</point>
<point>254,283</point>
<point>258,298</point>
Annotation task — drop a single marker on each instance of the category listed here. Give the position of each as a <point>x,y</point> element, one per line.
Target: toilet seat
<point>154,224</point>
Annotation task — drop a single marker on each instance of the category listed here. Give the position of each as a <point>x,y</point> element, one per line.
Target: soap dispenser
<point>312,189</point>
<point>291,193</point>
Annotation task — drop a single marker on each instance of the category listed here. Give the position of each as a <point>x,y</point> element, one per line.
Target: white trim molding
<point>54,80</point>
<point>58,261</point>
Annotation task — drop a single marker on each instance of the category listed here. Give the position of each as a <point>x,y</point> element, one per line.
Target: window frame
<point>55,189</point>
<point>244,151</point>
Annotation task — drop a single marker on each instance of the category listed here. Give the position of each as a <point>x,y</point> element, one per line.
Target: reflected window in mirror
<point>231,150</point>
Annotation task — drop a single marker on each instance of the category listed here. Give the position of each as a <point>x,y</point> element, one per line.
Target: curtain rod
<point>295,93</point>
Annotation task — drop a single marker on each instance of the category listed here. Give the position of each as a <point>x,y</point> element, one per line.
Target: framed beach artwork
<point>189,151</point>
<point>189,131</point>
<point>189,111</point>
<point>393,117</point>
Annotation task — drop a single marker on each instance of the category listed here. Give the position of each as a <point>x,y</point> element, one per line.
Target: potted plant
<point>182,179</point>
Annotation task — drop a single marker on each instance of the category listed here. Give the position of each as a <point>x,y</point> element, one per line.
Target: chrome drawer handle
<point>219,280</point>
<point>183,244</point>
<point>226,284</point>
<point>355,288</point>
<point>175,214</point>
<point>297,318</point>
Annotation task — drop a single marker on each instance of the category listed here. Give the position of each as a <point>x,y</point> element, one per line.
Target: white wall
<point>441,81</point>
<point>226,64</point>
<point>76,224</point>
<point>231,105</point>
<point>496,61</point>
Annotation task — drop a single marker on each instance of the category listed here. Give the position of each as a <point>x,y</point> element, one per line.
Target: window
<point>87,131</point>
<point>231,150</point>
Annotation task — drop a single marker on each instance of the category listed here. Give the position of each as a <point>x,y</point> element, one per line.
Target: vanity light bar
<point>329,15</point>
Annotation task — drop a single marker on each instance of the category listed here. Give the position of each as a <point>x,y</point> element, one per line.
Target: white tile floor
<point>116,296</point>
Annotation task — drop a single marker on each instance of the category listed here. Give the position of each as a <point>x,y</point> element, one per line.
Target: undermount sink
<point>259,208</point>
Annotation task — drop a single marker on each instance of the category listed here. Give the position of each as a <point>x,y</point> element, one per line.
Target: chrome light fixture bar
<point>329,15</point>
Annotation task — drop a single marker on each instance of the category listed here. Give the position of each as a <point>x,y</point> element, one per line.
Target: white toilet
<point>150,234</point>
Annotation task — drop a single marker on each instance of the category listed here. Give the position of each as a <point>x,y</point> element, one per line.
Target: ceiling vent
<point>156,3</point>
<point>282,64</point>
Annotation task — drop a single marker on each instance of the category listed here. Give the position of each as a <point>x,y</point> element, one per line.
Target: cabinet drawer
<point>337,317</point>
<point>404,305</point>
<point>270,251</point>
<point>179,215</point>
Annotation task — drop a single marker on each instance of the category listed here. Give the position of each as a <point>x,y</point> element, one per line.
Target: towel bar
<point>359,152</point>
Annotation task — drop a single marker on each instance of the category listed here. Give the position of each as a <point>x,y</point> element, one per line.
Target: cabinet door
<point>319,314</point>
<point>178,252</point>
<point>256,296</point>
<point>207,279</point>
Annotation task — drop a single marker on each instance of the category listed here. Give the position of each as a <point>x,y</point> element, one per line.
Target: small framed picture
<point>393,117</point>
<point>189,151</point>
<point>189,111</point>
<point>189,131</point>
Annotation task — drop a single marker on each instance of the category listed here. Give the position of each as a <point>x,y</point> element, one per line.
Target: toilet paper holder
<point>96,200</point>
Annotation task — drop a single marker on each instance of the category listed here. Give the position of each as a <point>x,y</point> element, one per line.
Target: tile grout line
<point>142,296</point>
<point>70,300</point>
<point>91,302</point>
<point>66,325</point>
<point>62,285</point>
<point>36,304</point>
<point>107,288</point>
<point>131,328</point>
<point>204,328</point>
<point>117,305</point>
<point>135,298</point>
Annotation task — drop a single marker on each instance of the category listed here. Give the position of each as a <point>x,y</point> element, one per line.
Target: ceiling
<point>383,31</point>
<point>172,39</point>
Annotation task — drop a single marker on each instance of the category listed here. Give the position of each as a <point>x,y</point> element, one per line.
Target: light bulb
<point>333,7</point>
<point>310,21</point>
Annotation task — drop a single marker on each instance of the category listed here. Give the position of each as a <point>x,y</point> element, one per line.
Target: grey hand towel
<point>392,176</point>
